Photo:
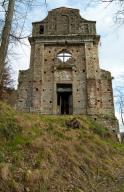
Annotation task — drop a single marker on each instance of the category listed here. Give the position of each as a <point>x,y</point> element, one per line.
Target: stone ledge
<point>64,38</point>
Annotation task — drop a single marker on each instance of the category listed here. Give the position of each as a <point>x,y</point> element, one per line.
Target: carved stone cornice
<point>64,39</point>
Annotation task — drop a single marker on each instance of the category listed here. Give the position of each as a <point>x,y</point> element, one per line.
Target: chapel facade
<point>64,76</point>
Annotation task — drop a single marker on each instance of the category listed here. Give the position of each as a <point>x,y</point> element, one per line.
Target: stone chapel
<point>64,76</point>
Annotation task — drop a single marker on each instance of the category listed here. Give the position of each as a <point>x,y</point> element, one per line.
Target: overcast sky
<point>111,53</point>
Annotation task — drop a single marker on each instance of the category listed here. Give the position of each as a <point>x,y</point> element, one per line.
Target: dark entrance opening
<point>64,98</point>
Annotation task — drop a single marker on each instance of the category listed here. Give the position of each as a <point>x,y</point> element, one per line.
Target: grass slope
<point>40,153</point>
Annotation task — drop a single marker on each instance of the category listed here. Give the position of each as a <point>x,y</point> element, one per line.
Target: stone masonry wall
<point>64,31</point>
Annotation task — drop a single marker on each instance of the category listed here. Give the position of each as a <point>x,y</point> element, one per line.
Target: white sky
<point>111,53</point>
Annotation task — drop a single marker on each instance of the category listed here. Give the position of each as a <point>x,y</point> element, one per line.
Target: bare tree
<point>119,12</point>
<point>5,36</point>
<point>16,12</point>
<point>7,83</point>
<point>120,102</point>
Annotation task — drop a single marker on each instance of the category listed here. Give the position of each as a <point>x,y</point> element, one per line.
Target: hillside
<point>42,154</point>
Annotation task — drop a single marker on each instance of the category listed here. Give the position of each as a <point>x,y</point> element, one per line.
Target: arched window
<point>64,56</point>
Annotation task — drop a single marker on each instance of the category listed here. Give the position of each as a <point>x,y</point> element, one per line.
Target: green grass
<point>43,154</point>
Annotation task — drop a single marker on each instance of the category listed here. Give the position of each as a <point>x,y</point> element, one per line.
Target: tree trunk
<point>5,36</point>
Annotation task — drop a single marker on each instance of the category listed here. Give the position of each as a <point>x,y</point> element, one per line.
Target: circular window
<point>64,56</point>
